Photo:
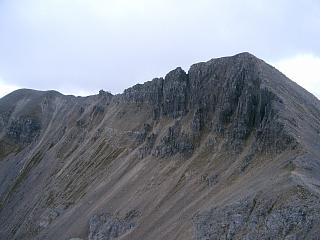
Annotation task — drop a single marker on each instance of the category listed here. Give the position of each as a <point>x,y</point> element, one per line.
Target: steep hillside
<point>229,150</point>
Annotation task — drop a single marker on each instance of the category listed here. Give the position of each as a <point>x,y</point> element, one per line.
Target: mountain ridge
<point>229,148</point>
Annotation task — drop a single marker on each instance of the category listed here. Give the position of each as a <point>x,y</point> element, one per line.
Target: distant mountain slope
<point>229,150</point>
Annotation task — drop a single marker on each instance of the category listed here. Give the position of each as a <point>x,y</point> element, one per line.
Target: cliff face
<point>229,150</point>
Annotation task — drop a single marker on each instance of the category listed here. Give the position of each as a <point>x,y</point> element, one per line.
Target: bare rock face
<point>261,218</point>
<point>108,227</point>
<point>23,130</point>
<point>174,142</point>
<point>175,93</point>
<point>228,150</point>
<point>217,94</point>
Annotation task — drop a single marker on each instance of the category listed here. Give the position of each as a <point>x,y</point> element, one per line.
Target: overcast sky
<point>82,46</point>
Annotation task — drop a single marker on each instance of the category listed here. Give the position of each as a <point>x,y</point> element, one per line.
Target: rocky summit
<point>228,150</point>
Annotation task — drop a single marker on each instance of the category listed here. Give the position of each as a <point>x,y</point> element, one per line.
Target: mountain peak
<point>245,55</point>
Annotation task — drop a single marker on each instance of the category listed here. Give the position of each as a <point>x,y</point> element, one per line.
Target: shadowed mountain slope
<point>228,150</point>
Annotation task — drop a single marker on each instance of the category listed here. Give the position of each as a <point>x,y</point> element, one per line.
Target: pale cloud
<point>82,46</point>
<point>304,69</point>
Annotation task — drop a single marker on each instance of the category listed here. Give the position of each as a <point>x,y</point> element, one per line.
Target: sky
<point>81,46</point>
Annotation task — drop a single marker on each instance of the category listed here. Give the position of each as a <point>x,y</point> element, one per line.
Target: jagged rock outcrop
<point>108,227</point>
<point>286,217</point>
<point>228,150</point>
<point>174,141</point>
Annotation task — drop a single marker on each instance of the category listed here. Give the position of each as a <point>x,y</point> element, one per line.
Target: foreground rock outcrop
<point>291,217</point>
<point>228,150</point>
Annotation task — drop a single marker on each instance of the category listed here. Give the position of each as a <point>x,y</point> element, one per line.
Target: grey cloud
<point>88,45</point>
